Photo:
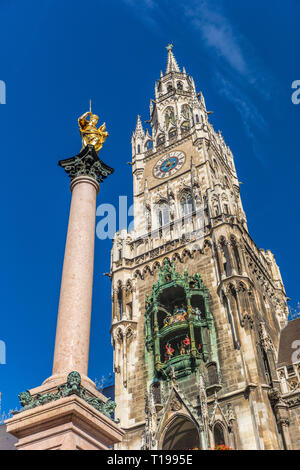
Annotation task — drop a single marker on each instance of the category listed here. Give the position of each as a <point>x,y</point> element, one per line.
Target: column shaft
<point>74,314</point>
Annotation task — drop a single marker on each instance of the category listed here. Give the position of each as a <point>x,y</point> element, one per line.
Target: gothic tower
<point>197,306</point>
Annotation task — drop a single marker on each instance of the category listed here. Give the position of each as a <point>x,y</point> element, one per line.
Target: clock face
<point>169,164</point>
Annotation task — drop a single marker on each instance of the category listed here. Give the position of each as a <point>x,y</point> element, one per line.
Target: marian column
<point>67,411</point>
<point>86,171</point>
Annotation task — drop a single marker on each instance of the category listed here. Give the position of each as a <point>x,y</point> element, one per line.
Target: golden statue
<point>90,135</point>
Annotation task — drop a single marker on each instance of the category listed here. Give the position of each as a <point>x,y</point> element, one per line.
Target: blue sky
<point>57,55</point>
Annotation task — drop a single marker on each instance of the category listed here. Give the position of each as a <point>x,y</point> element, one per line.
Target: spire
<point>172,65</point>
<point>139,127</point>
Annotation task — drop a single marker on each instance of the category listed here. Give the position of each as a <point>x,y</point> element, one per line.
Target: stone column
<point>86,171</point>
<point>74,313</point>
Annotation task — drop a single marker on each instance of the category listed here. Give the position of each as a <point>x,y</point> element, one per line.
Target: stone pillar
<point>74,313</point>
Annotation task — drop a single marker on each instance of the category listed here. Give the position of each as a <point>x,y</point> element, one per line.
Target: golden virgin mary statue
<point>90,135</point>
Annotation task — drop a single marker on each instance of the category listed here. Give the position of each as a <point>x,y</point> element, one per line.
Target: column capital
<point>86,163</point>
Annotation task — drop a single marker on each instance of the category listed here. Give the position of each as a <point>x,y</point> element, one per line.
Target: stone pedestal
<point>66,424</point>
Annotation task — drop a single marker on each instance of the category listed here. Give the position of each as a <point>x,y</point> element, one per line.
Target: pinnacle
<point>172,65</point>
<point>139,125</point>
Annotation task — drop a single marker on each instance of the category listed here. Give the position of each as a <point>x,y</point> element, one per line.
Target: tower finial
<point>172,65</point>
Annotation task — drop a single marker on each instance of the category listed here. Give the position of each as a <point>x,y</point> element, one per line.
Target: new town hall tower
<point>197,307</point>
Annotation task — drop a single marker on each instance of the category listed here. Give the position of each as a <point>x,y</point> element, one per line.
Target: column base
<point>54,380</point>
<point>65,424</point>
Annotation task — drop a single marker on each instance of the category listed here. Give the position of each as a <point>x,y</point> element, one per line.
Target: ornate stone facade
<point>197,307</point>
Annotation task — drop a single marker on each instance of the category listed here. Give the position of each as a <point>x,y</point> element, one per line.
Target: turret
<point>138,138</point>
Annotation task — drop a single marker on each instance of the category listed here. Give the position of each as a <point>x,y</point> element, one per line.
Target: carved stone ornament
<point>274,396</point>
<point>72,387</point>
<point>175,404</point>
<point>247,320</point>
<point>86,163</point>
<point>265,339</point>
<point>230,415</point>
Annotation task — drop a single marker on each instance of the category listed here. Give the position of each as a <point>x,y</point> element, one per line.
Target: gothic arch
<point>220,433</point>
<point>186,252</point>
<point>186,202</point>
<point>162,212</point>
<point>149,144</point>
<point>169,115</point>
<point>138,274</point>
<point>176,256</point>
<point>185,112</point>
<point>156,266</point>
<point>181,432</point>
<point>147,270</point>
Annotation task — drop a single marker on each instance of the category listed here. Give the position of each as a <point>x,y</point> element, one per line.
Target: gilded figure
<point>89,132</point>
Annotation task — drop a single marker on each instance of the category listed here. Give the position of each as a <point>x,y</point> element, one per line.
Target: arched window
<point>163,214</point>
<point>219,437</point>
<point>169,87</point>
<point>179,86</point>
<point>185,111</point>
<point>120,303</point>
<point>225,258</point>
<point>169,117</point>
<point>185,127</point>
<point>236,255</point>
<point>186,204</point>
<point>231,322</point>
<point>160,139</point>
<point>197,118</point>
<point>138,148</point>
